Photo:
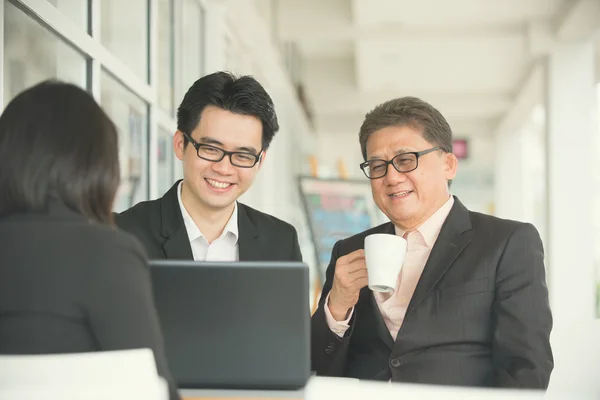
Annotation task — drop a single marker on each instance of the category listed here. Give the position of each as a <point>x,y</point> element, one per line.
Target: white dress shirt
<point>224,248</point>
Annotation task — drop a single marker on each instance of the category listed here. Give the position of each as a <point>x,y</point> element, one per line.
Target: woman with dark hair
<point>69,280</point>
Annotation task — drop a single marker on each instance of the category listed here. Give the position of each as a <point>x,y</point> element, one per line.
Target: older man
<point>471,308</point>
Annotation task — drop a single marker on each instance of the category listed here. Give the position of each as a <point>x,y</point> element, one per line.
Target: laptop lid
<point>234,325</point>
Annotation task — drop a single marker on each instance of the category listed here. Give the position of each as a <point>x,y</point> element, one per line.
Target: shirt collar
<point>231,228</point>
<point>232,225</point>
<point>431,228</point>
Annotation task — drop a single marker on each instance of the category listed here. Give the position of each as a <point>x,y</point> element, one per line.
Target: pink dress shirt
<point>393,305</point>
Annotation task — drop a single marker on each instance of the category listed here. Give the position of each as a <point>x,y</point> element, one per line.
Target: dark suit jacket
<point>479,315</point>
<point>69,285</point>
<point>159,225</point>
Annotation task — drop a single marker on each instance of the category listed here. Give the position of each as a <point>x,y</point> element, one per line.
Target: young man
<point>225,125</point>
<point>471,308</point>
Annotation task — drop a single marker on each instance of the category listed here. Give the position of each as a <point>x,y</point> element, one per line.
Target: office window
<point>32,54</point>
<point>192,49</point>
<point>596,203</point>
<point>130,114</point>
<point>124,32</point>
<point>165,55</point>
<point>76,10</point>
<point>165,158</point>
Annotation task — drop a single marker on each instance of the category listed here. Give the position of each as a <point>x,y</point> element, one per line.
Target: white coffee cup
<point>384,255</point>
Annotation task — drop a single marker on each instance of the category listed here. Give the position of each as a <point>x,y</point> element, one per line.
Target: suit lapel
<point>177,243</point>
<point>178,246</point>
<point>454,236</point>
<point>380,326</point>
<point>248,242</point>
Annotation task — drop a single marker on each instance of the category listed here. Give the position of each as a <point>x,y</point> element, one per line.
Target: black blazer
<point>159,225</point>
<point>70,285</point>
<point>479,315</point>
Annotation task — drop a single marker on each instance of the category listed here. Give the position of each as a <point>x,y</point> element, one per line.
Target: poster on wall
<point>336,209</point>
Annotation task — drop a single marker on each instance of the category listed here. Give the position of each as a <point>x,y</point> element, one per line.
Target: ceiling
<point>466,57</point>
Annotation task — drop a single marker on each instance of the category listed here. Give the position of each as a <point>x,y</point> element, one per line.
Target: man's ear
<point>451,166</point>
<point>262,159</point>
<point>178,141</point>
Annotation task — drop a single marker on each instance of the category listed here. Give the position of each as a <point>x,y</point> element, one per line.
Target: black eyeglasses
<point>404,162</point>
<point>208,152</point>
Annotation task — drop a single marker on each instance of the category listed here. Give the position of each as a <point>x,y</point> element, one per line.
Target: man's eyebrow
<point>398,151</point>
<point>209,140</point>
<point>245,149</point>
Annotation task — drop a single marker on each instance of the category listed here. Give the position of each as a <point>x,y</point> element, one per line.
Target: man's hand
<point>350,276</point>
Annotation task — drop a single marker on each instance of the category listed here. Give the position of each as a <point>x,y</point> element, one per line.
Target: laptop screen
<point>234,325</point>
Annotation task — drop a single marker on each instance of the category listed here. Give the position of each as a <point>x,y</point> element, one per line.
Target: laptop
<point>234,325</point>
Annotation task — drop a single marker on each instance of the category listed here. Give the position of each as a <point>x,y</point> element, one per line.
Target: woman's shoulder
<point>107,238</point>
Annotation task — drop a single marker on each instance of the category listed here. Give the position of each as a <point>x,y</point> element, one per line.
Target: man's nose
<point>394,177</point>
<point>224,167</point>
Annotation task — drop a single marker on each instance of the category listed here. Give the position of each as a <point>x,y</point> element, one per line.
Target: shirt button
<point>395,363</point>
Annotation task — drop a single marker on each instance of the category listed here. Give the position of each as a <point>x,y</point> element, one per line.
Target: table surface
<point>207,394</point>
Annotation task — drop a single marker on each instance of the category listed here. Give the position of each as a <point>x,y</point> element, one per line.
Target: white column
<point>572,125</point>
<point>512,154</point>
<point>509,197</point>
<point>571,105</point>
<point>214,38</point>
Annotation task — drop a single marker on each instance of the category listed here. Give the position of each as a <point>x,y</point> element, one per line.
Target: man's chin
<point>220,203</point>
<point>403,213</point>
